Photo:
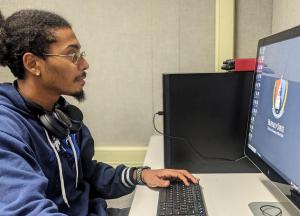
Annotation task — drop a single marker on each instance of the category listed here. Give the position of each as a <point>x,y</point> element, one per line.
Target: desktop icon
<point>279,97</point>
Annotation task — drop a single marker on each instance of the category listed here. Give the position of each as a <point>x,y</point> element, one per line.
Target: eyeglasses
<point>75,57</point>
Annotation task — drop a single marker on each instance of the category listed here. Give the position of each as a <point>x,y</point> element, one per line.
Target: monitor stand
<point>272,208</point>
<point>295,196</point>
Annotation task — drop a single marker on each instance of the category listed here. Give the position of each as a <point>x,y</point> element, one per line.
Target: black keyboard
<point>181,200</point>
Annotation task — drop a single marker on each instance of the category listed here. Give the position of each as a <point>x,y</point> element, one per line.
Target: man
<point>46,152</point>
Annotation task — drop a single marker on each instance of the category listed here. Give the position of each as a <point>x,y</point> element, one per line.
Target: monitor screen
<point>273,140</point>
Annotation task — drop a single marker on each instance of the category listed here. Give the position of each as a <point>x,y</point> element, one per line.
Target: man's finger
<point>178,175</point>
<point>189,176</point>
<point>163,182</point>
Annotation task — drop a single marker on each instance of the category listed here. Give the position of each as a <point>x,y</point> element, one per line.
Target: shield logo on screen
<point>279,97</point>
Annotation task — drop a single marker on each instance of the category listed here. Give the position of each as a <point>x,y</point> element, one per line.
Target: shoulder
<point>13,123</point>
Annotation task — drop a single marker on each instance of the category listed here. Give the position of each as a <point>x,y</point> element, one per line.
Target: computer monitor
<point>273,136</point>
<point>205,121</point>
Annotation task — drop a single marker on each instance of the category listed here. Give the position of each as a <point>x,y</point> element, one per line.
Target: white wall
<point>253,22</point>
<point>129,44</point>
<point>256,19</point>
<point>286,14</point>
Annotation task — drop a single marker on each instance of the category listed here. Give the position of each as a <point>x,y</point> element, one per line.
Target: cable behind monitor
<point>187,141</point>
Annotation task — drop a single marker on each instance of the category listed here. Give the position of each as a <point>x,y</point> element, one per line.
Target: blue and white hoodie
<point>40,175</point>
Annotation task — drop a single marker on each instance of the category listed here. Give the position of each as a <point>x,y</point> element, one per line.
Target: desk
<point>225,194</point>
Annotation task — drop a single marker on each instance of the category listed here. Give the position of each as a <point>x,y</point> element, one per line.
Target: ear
<point>31,64</point>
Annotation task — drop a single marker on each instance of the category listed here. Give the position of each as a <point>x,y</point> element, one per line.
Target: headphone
<point>64,118</point>
<point>61,121</point>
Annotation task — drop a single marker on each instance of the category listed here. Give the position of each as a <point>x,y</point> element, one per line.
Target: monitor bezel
<point>272,174</point>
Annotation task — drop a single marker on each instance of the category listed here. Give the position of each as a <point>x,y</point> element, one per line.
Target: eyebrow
<point>74,46</point>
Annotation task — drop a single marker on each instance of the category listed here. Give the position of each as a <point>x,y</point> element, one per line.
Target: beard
<point>79,96</point>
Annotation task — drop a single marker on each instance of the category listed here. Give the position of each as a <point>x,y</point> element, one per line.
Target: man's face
<point>60,75</point>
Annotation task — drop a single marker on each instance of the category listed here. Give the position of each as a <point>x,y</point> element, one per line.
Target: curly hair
<point>27,31</point>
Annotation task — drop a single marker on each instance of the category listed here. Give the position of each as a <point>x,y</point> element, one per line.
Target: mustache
<point>82,76</point>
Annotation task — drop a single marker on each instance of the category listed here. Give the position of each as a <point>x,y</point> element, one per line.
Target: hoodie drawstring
<point>75,156</point>
<point>62,183</point>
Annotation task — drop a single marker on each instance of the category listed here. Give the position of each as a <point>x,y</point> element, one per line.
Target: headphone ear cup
<point>75,115</point>
<point>62,118</point>
<point>54,126</point>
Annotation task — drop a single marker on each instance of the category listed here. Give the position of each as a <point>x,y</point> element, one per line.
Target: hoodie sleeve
<point>22,182</point>
<point>107,182</point>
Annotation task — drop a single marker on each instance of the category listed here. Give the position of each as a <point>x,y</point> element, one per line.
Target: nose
<point>83,64</point>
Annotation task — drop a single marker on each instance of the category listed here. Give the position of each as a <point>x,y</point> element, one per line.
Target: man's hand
<point>161,177</point>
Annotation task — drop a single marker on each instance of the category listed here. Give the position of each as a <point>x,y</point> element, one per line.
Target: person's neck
<point>36,94</point>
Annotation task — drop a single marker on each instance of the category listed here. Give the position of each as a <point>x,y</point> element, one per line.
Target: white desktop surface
<point>225,194</point>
